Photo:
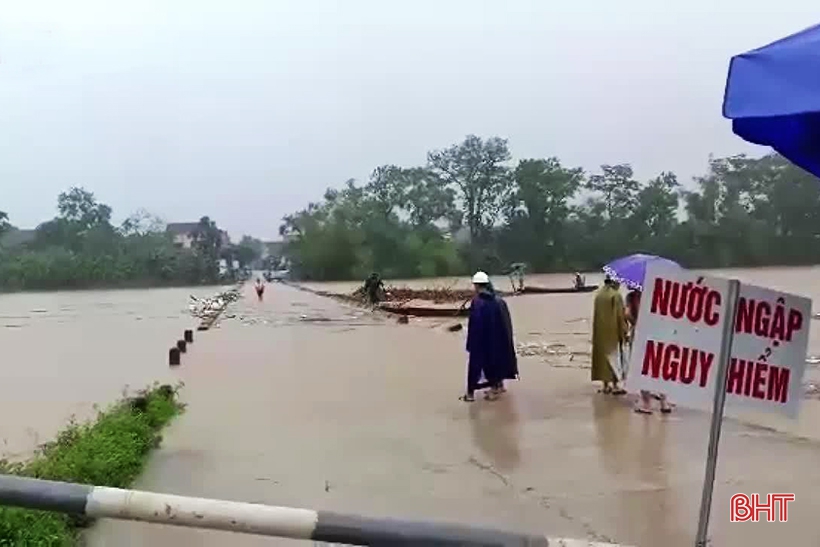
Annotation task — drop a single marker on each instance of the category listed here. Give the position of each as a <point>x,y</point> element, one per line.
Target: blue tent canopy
<point>773,97</point>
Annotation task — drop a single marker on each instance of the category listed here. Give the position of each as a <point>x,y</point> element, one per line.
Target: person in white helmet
<point>488,342</point>
<point>511,369</point>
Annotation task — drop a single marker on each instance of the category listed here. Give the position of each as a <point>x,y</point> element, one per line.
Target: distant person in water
<point>260,289</point>
<point>608,335</point>
<point>580,282</point>
<point>488,342</point>
<point>517,275</point>
<point>374,288</point>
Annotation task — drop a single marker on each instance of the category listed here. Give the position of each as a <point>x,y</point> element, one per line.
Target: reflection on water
<point>495,431</point>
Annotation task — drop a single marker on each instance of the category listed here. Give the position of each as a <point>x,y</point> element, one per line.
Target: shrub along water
<point>110,451</point>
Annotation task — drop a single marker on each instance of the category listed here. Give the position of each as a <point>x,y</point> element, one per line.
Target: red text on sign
<point>767,320</point>
<point>674,363</point>
<point>694,301</point>
<point>758,380</point>
<point>745,508</point>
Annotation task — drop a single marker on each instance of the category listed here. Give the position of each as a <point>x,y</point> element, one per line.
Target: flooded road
<point>302,401</point>
<point>63,352</point>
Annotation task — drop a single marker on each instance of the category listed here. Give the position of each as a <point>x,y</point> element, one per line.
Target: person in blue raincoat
<point>488,342</point>
<point>511,363</point>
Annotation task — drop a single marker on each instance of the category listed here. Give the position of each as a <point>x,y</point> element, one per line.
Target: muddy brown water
<point>303,401</point>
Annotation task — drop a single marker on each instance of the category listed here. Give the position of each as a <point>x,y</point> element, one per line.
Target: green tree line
<point>81,248</point>
<point>469,206</point>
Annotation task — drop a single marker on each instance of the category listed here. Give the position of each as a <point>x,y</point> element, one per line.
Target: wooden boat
<point>558,290</point>
<point>425,311</point>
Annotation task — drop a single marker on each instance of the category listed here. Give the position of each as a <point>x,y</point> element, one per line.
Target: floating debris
<point>540,348</point>
<point>209,309</point>
<point>436,295</point>
<point>206,308</point>
<point>319,319</point>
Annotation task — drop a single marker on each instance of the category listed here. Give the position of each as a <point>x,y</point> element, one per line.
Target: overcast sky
<point>247,110</point>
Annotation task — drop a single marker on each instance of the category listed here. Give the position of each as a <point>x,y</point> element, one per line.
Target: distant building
<point>15,237</point>
<point>184,233</point>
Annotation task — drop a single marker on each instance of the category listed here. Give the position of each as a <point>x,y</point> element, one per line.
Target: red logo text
<point>754,508</point>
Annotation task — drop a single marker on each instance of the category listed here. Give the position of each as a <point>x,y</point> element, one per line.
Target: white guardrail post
<point>251,518</point>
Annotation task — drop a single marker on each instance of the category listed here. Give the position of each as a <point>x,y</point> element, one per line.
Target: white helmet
<point>481,278</point>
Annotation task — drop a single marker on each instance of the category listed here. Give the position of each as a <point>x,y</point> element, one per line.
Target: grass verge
<point>109,451</point>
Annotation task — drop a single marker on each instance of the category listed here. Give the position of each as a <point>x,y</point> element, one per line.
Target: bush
<point>110,451</point>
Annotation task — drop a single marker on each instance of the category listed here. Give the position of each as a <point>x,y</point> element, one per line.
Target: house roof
<point>179,228</point>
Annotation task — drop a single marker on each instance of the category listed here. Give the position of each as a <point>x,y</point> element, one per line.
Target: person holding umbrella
<point>632,271</point>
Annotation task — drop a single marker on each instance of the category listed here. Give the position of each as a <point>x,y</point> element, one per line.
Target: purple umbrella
<point>630,270</point>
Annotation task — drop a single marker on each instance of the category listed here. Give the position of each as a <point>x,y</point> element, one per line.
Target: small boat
<point>425,311</point>
<point>559,290</point>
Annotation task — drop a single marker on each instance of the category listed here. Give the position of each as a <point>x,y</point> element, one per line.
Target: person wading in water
<point>374,288</point>
<point>260,289</point>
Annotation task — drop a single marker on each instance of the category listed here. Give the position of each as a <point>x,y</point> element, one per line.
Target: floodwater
<point>64,352</point>
<point>302,401</point>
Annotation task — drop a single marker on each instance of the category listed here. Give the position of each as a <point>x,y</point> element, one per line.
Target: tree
<point>79,248</point>
<point>82,223</point>
<point>537,210</point>
<point>387,189</point>
<point>79,206</point>
<point>141,222</point>
<point>654,217</point>
<point>476,169</point>
<point>248,250</point>
<point>404,223</point>
<point>427,201</point>
<point>618,189</point>
<point>208,245</point>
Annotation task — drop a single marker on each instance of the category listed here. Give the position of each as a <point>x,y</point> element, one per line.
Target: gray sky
<point>246,110</point>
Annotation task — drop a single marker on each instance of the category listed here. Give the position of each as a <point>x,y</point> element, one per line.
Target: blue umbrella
<point>631,270</point>
<point>773,97</point>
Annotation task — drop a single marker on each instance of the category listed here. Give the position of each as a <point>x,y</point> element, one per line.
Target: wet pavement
<point>303,401</point>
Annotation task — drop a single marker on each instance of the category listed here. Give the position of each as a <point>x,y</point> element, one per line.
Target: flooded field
<point>303,401</point>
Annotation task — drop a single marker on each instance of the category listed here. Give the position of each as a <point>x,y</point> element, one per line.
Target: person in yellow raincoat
<point>608,335</point>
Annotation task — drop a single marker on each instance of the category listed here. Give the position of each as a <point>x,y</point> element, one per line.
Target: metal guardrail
<point>251,518</point>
